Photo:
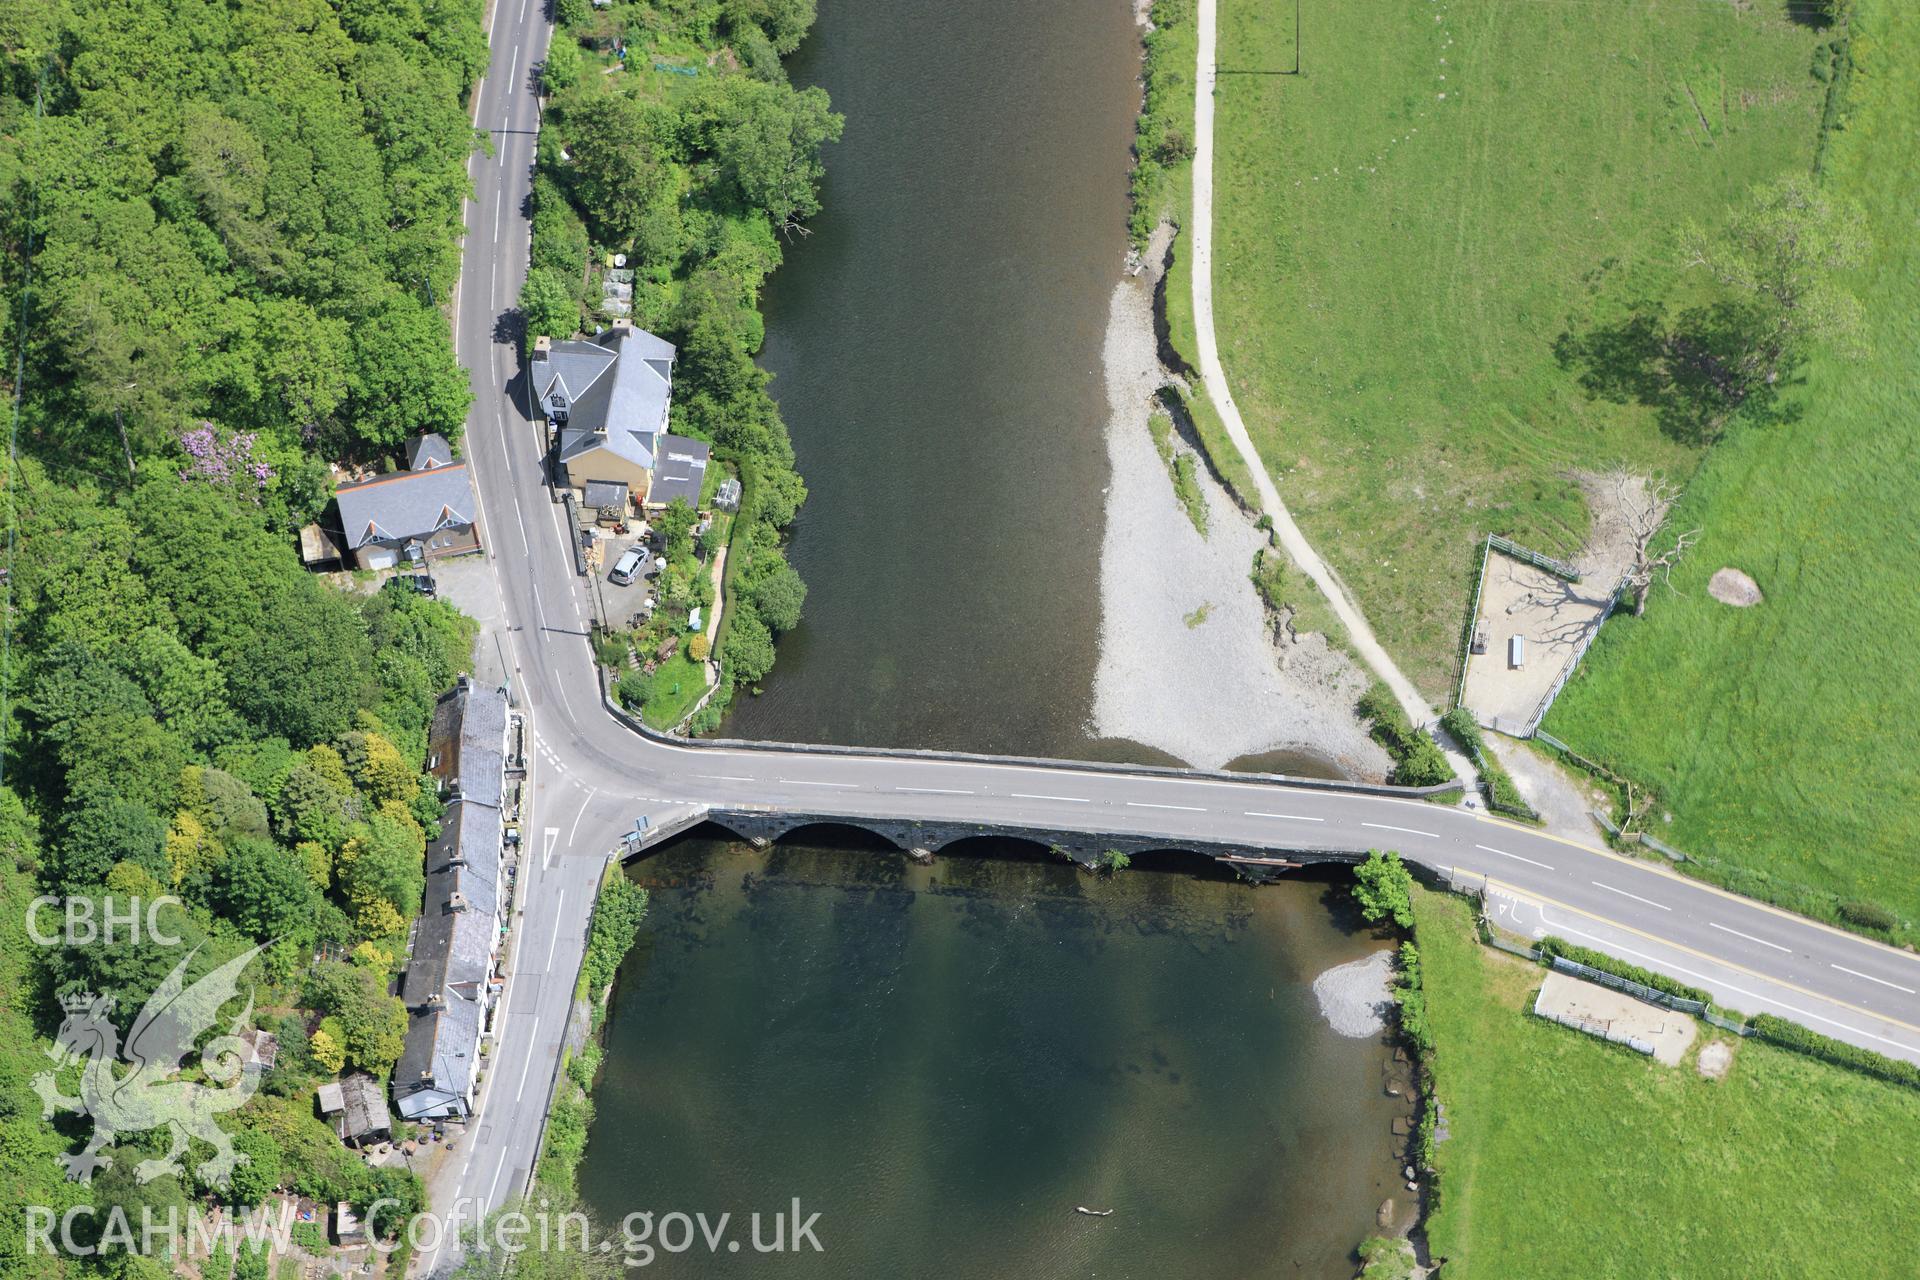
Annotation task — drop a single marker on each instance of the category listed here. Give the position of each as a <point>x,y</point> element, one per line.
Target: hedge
<point>1550,946</point>
<point>1497,786</point>
<point>1791,1035</point>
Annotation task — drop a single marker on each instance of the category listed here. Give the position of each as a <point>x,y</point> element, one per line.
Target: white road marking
<point>802,782</point>
<point>501,151</point>
<point>563,697</point>
<point>492,283</point>
<point>524,1071</point>
<point>1381,826</point>
<point>1636,897</point>
<point>523,10</point>
<point>571,835</point>
<point>1027,795</point>
<point>558,903</point>
<point>1749,937</point>
<point>1870,978</point>
<point>548,838</point>
<point>1614,948</point>
<point>498,1169</point>
<point>526,548</point>
<point>498,196</point>
<point>936,791</point>
<point>1142,804</point>
<point>723,777</point>
<point>1288,817</point>
<point>1516,857</point>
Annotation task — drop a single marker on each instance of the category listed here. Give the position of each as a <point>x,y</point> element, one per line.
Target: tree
<point>1383,888</point>
<point>779,595</point>
<point>371,1025</point>
<point>1115,860</point>
<point>547,306</point>
<point>748,649</point>
<point>103,829</point>
<point>403,377</point>
<point>620,174</point>
<point>382,863</point>
<point>561,70</point>
<point>767,138</point>
<point>675,524</point>
<point>1643,502</point>
<point>265,890</point>
<point>1781,255</point>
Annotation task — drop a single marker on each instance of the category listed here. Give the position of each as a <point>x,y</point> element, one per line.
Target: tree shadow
<point>1817,14</point>
<point>1694,370</point>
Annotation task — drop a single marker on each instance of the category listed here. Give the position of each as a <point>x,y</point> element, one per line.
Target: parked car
<point>630,565</point>
<point>420,583</point>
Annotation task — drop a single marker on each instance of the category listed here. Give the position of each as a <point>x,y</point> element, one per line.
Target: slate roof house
<point>607,397</point>
<point>450,985</point>
<point>422,513</point>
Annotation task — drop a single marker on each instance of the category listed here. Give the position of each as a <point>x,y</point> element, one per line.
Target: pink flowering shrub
<point>229,459</point>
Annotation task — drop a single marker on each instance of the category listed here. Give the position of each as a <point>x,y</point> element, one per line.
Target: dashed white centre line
<point>1636,897</point>
<point>723,777</point>
<point>1749,937</point>
<point>1142,804</point>
<point>1287,817</point>
<point>1516,857</point>
<point>1870,978</point>
<point>935,791</point>
<point>802,782</point>
<point>1381,826</point>
<point>1027,795</point>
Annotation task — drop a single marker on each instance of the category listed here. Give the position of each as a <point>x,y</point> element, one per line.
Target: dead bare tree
<point>1643,502</point>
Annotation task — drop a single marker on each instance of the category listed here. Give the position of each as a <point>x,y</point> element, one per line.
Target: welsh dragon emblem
<point>148,1096</point>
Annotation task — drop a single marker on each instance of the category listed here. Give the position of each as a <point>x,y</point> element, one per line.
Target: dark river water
<point>945,1061</point>
<point>935,344</point>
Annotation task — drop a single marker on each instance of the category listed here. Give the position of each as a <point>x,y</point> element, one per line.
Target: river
<point>945,1061</point>
<point>936,350</point>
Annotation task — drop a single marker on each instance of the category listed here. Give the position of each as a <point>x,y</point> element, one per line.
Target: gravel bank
<point>1208,686</point>
<point>1354,998</point>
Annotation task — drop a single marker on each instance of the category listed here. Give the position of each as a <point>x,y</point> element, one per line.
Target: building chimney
<point>542,348</point>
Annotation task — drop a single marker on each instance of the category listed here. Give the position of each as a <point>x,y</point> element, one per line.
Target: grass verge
<point>1570,1157</point>
<point>1401,233</point>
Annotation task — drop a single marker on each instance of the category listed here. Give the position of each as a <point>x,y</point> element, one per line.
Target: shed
<point>357,1106</point>
<point>261,1049</point>
<point>1516,652</point>
<point>607,495</point>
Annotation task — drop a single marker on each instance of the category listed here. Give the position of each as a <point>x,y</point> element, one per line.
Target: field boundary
<point>1573,663</point>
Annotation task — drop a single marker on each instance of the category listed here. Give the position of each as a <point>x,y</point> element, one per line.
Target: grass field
<point>1403,231</point>
<point>1573,1158</point>
<point>1777,735</point>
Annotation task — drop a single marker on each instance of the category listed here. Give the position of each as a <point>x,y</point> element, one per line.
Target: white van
<point>628,567</point>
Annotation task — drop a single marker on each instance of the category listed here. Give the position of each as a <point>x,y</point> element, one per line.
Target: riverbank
<point>1192,662</point>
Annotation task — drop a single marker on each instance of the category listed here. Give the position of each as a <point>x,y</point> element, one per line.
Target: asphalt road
<point>593,777</point>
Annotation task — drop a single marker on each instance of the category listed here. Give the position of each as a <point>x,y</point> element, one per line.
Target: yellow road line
<point>1655,868</point>
<point>1515,890</point>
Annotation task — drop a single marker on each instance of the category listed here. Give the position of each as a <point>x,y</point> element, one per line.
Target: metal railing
<point>1579,652</point>
<point>1558,568</point>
